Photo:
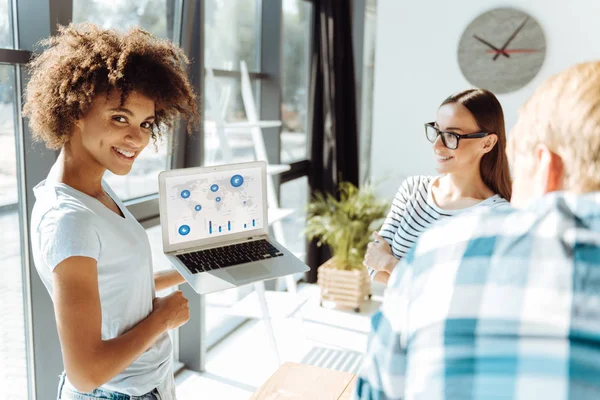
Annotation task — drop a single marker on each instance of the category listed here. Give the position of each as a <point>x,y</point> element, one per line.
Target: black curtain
<point>332,109</point>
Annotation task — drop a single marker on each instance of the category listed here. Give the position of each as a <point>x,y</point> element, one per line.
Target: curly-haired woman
<point>100,96</point>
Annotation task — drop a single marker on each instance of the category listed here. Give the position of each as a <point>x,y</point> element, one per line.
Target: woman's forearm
<point>381,277</point>
<point>167,279</point>
<point>112,356</point>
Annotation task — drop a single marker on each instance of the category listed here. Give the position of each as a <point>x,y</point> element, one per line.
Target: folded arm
<point>379,259</point>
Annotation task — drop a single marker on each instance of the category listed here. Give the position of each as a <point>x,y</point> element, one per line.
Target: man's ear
<point>489,142</point>
<point>551,169</point>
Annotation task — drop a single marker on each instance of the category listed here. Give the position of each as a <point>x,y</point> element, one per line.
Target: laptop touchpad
<point>248,272</point>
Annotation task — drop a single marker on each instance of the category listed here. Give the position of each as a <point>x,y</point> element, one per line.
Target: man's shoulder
<point>454,262</point>
<point>484,222</point>
<point>558,222</point>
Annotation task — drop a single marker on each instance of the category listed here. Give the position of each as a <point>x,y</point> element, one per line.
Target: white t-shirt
<point>65,223</point>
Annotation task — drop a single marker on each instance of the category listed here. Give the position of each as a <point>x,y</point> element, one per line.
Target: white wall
<point>416,68</point>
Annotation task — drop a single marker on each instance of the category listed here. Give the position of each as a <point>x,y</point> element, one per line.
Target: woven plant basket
<point>345,289</point>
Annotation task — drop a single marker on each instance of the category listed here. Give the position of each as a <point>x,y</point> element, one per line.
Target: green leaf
<point>345,225</point>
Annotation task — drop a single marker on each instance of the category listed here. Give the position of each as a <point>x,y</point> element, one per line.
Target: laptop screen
<point>213,204</point>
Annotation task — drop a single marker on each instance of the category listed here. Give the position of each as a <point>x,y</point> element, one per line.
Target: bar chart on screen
<point>225,227</point>
<point>214,204</point>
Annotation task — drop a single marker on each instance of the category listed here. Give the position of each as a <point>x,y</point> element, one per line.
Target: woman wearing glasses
<point>469,143</point>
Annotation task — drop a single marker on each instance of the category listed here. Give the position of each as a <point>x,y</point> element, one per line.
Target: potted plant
<point>345,226</point>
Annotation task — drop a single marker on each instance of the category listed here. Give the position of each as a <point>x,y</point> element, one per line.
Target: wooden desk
<point>299,381</point>
<point>347,395</point>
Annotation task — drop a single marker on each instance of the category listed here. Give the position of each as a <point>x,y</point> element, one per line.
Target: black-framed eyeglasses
<point>450,139</point>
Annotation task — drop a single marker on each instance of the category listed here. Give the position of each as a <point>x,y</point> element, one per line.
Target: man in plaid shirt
<point>505,304</point>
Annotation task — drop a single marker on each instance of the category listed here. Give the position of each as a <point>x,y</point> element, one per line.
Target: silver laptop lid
<point>210,205</point>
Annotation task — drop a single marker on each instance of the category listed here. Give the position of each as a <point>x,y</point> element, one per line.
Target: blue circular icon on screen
<point>185,194</point>
<point>198,207</point>
<point>237,181</point>
<point>184,230</point>
<point>218,199</point>
<point>244,201</point>
<point>214,188</point>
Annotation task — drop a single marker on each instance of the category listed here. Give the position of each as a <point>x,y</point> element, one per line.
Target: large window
<point>8,164</point>
<point>232,34</point>
<point>294,114</point>
<point>223,103</point>
<point>157,17</point>
<point>294,85</point>
<point>6,40</point>
<point>294,195</point>
<point>368,74</point>
<point>236,31</point>
<point>13,354</point>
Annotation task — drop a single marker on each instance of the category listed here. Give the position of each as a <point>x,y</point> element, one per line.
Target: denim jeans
<point>67,392</point>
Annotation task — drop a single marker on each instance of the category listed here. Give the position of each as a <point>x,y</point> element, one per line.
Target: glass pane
<point>6,32</point>
<point>155,16</point>
<point>13,355</point>
<point>294,195</point>
<point>143,178</point>
<point>222,104</point>
<point>232,34</point>
<point>224,144</point>
<point>295,69</point>
<point>367,88</point>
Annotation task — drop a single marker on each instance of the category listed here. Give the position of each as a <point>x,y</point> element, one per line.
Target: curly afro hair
<point>83,61</point>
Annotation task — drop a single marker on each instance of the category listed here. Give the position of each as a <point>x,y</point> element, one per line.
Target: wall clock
<point>502,50</point>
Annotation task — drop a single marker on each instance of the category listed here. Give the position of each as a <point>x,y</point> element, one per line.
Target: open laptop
<point>215,227</point>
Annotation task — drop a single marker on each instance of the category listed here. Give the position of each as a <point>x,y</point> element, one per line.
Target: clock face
<point>502,50</point>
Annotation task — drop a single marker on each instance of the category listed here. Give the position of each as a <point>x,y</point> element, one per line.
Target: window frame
<point>43,353</point>
<point>18,207</point>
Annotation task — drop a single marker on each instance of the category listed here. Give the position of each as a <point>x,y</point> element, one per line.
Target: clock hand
<point>514,51</point>
<point>505,54</point>
<point>510,39</point>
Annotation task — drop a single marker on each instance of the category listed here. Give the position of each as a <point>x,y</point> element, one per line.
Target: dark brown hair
<point>83,61</point>
<point>487,111</point>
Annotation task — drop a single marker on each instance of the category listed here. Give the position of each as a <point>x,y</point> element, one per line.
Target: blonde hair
<point>564,114</point>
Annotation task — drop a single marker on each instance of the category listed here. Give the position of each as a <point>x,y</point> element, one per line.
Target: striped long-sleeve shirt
<point>414,211</point>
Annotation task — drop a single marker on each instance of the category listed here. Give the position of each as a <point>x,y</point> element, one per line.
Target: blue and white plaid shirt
<point>494,304</point>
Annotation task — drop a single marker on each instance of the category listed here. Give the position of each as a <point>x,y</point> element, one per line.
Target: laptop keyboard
<point>220,257</point>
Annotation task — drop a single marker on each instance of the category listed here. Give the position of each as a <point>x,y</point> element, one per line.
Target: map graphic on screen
<point>213,204</point>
